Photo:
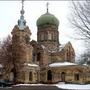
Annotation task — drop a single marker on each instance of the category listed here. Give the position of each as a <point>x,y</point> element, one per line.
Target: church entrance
<point>13,75</point>
<point>49,77</point>
<point>63,76</point>
<point>77,77</point>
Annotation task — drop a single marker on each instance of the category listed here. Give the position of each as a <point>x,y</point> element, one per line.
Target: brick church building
<point>44,60</point>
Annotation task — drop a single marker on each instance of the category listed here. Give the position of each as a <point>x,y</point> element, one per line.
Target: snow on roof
<point>43,46</point>
<point>85,64</point>
<point>52,51</point>
<point>59,64</point>
<point>31,65</point>
<point>61,47</point>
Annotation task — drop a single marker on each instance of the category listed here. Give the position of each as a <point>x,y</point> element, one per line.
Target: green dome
<point>47,18</point>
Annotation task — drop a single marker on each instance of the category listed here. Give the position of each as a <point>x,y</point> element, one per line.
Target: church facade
<point>44,60</point>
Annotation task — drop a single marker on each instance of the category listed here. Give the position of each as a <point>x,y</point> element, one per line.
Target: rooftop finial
<point>22,11</point>
<point>21,21</point>
<point>22,4</point>
<point>47,6</point>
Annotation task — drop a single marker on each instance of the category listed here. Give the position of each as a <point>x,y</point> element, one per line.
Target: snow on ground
<point>74,86</point>
<point>61,85</point>
<point>30,85</point>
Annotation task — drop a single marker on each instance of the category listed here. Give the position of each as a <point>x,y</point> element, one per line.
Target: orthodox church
<point>44,60</point>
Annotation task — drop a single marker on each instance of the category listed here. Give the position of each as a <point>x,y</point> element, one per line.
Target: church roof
<point>60,64</point>
<point>31,64</point>
<point>47,18</point>
<point>61,47</point>
<point>22,21</point>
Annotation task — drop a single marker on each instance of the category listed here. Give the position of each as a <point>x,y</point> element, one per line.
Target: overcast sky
<point>10,13</point>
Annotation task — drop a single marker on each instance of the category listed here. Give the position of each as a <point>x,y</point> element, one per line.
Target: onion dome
<point>47,18</point>
<point>21,21</point>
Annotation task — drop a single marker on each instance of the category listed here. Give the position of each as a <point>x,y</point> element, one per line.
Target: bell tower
<point>47,33</point>
<point>22,50</point>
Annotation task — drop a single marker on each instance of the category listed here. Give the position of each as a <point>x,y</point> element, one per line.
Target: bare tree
<point>80,21</point>
<point>83,58</point>
<point>81,18</point>
<point>6,52</point>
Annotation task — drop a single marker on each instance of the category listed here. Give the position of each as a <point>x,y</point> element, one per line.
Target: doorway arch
<point>63,76</point>
<point>49,77</point>
<point>13,75</point>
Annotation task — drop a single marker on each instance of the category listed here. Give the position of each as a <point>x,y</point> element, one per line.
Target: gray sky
<point>10,13</point>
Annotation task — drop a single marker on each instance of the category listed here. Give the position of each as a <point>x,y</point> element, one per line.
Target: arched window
<point>45,36</point>
<point>27,39</point>
<point>63,76</point>
<point>42,37</point>
<point>30,76</point>
<point>49,77</point>
<point>49,36</point>
<point>34,57</point>
<point>76,76</point>
<point>38,56</point>
<point>11,76</point>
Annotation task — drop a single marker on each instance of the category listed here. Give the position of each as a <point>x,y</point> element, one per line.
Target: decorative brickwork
<point>44,60</point>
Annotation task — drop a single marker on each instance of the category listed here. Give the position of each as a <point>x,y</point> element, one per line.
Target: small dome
<point>47,18</point>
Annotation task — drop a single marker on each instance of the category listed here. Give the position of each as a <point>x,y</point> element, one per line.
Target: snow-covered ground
<point>74,86</point>
<point>28,84</point>
<point>61,85</point>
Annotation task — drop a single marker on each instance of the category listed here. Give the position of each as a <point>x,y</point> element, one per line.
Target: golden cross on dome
<point>22,11</point>
<point>22,4</point>
<point>47,6</point>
